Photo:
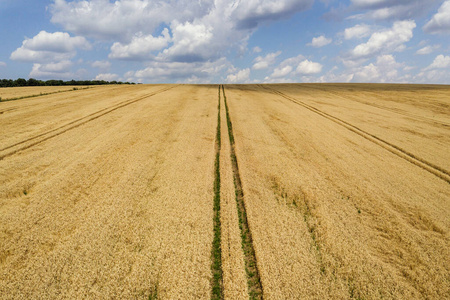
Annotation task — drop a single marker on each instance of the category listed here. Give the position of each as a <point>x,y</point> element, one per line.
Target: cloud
<point>384,70</point>
<point>192,42</point>
<point>285,68</point>
<point>161,71</point>
<point>58,70</point>
<point>440,22</point>
<point>107,77</point>
<point>250,13</point>
<point>358,31</point>
<point>257,49</point>
<point>427,49</point>
<point>281,72</point>
<point>120,20</point>
<point>46,47</point>
<point>226,26</point>
<point>59,42</point>
<point>307,67</point>
<point>391,9</point>
<point>200,31</point>
<point>437,72</point>
<point>440,62</point>
<point>2,64</point>
<point>140,47</point>
<point>385,41</point>
<point>263,62</point>
<point>331,76</point>
<point>319,41</point>
<point>242,76</point>
<point>436,76</point>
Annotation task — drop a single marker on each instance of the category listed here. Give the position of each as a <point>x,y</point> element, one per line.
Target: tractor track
<point>255,289</point>
<point>397,111</point>
<point>40,138</point>
<point>23,106</point>
<point>420,162</point>
<point>216,252</point>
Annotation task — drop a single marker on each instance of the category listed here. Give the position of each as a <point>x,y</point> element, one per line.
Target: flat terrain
<point>311,191</point>
<point>14,93</point>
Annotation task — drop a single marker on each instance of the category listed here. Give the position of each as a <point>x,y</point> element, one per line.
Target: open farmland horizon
<point>179,191</point>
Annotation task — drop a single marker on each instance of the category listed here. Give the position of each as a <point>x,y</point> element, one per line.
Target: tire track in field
<point>121,104</point>
<point>255,290</point>
<point>23,106</point>
<point>6,110</point>
<point>72,125</point>
<point>397,111</point>
<point>216,252</point>
<point>43,94</point>
<point>420,162</point>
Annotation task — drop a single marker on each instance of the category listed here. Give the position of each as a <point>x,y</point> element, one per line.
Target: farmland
<point>312,191</point>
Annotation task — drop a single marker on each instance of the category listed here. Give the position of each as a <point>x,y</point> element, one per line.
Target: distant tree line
<point>35,82</point>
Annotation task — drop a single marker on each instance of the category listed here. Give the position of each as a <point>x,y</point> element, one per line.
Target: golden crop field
<point>284,191</point>
<point>16,93</point>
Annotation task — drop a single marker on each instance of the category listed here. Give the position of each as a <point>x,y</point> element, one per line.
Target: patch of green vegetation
<point>153,294</point>
<point>251,269</point>
<point>216,252</point>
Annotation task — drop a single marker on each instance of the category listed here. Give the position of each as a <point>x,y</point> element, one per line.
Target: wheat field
<point>281,191</point>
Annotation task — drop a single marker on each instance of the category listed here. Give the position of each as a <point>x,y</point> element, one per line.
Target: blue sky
<point>227,41</point>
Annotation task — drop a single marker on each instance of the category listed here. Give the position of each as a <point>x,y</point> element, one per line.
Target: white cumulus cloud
<point>440,62</point>
<point>285,68</point>
<point>307,67</point>
<point>281,72</point>
<point>358,31</point>
<point>384,70</point>
<point>160,71</point>
<point>385,41</point>
<point>263,62</point>
<point>242,76</point>
<point>192,42</point>
<point>203,30</point>
<point>140,47</point>
<point>60,69</point>
<point>427,49</point>
<point>440,22</point>
<point>46,47</point>
<point>120,20</point>
<point>107,77</point>
<point>320,41</point>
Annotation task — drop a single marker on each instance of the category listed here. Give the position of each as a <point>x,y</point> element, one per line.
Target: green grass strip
<point>216,253</point>
<point>251,268</point>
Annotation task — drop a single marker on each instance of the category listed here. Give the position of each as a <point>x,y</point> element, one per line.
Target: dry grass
<point>109,192</point>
